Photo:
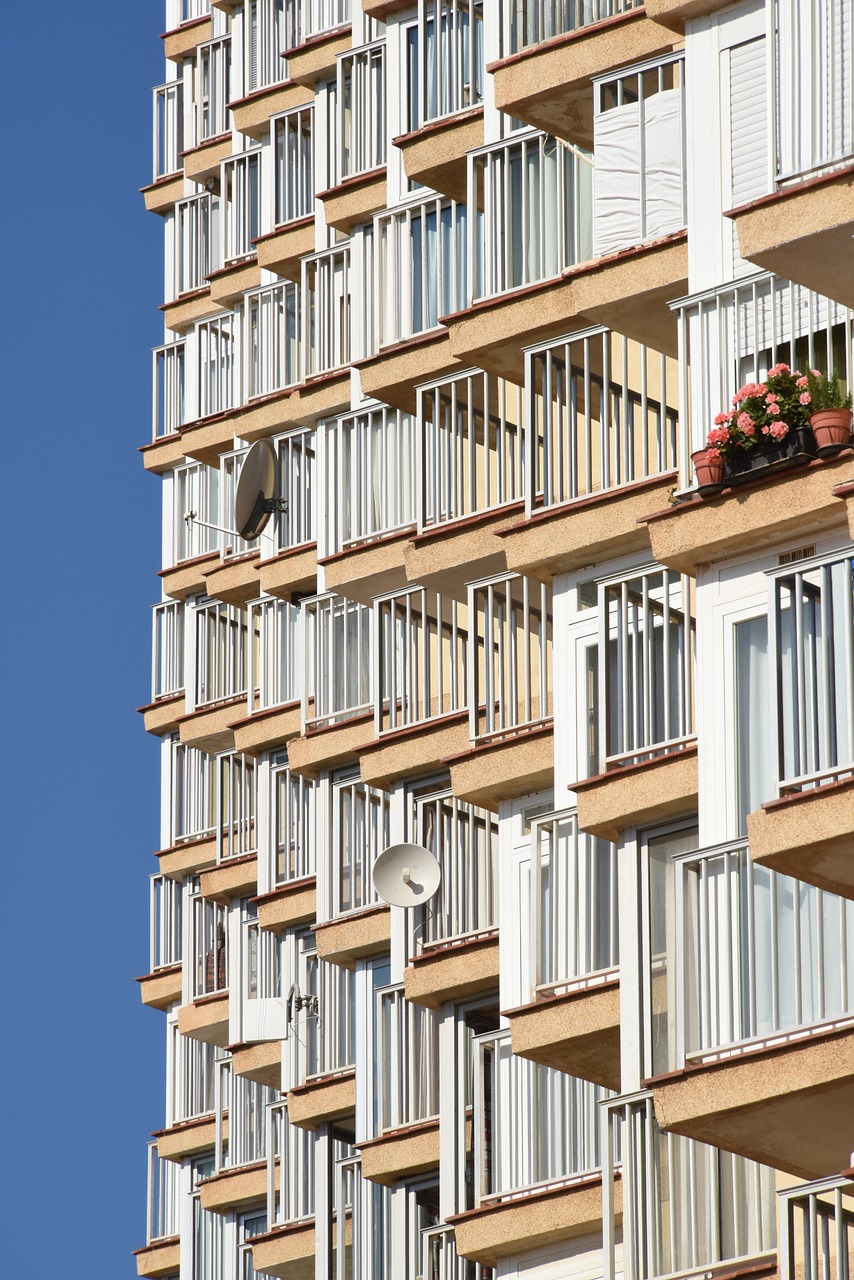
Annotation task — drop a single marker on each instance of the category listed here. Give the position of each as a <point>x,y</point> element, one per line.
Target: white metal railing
<point>230,466</point>
<point>180,11</point>
<point>734,334</point>
<point>294,802</point>
<point>445,62</point>
<point>464,841</point>
<point>602,411</point>
<point>296,525</point>
<point>370,476</point>
<point>197,241</point>
<point>168,127</point>
<point>532,1124</point>
<point>264,38</point>
<point>528,22</point>
<point>164,923</point>
<point>168,389</point>
<point>336,1019</point>
<point>337,647</point>
<point>762,954</point>
<point>640,188</point>
<point>326,311</point>
<point>261,956</point>
<point>192,1084</point>
<point>686,1206</point>
<point>207,1244</point>
<point>573,931</point>
<point>163,1208</point>
<point>313,17</point>
<point>209,953</point>
<point>530,203</point>
<point>811,653</point>
<point>167,649</point>
<point>816,1230</point>
<point>420,265</point>
<point>440,1261</point>
<point>421,643</point>
<point>241,205</point>
<point>645,682</point>
<point>272,339</point>
<point>245,1104</point>
<point>510,655</point>
<point>409,1060</point>
<point>275,662</point>
<point>360,832</point>
<point>222,651</point>
<point>813,97</point>
<point>471,434</point>
<point>211,88</point>
<point>192,792</point>
<point>356,141</point>
<point>216,365</point>
<point>236,831</point>
<point>196,489</point>
<point>290,1152</point>
<point>294,152</point>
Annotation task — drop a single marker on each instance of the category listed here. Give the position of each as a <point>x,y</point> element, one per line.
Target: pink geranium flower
<point>805,397</point>
<point>778,430</point>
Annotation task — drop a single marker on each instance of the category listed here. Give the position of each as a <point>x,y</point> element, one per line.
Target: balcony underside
<point>162,988</point>
<point>282,250</point>
<point>504,768</point>
<point>803,233</point>
<point>395,371</point>
<point>301,405</point>
<point>351,938</point>
<point>401,1153</point>
<point>293,570</point>
<point>259,1062</point>
<point>414,750</point>
<point>368,569</point>
<point>252,114</point>
<point>603,526</point>
<point>499,1230</point>
<point>675,13</point>
<point>234,1189</point>
<point>791,505</point>
<point>160,196</point>
<point>231,878</point>
<point>322,1099</point>
<point>782,1107</point>
<point>453,970</point>
<point>638,794</point>
<point>266,730</point>
<point>163,454</point>
<point>288,1252</point>
<point>324,748</point>
<point>435,155</point>
<point>578,1033</point>
<point>550,84</point>
<point>290,905</point>
<point>209,728</point>
<point>234,581</point>
<point>162,1258</point>
<point>355,200</point>
<point>203,162</point>
<point>628,291</point>
<point>206,1019</point>
<point>446,557</point>
<point>189,1138</point>
<point>808,835</point>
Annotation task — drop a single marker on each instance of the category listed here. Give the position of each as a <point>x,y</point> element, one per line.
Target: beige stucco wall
<point>809,836</point>
<point>638,795</point>
<point>322,1099</point>
<point>578,1033</point>
<point>452,973</point>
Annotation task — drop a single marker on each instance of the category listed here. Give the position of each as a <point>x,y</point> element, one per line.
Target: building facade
<point>484,272</point>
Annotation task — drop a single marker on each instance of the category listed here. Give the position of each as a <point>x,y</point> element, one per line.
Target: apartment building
<point>483,273</point>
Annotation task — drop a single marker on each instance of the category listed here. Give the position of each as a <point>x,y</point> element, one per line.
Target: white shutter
<point>748,131</point>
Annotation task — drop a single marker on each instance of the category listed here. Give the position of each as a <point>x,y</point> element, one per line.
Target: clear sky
<point>83,1062</point>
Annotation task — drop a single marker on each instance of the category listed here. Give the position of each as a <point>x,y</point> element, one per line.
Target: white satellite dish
<point>406,875</point>
<point>254,500</point>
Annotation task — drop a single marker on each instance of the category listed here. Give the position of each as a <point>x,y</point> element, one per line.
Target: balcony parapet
<point>577,1032</point>
<point>435,155</point>
<point>453,969</point>
<point>187,857</point>
<point>288,905</point>
<point>209,728</point>
<point>230,878</point>
<point>393,373</point>
<point>328,746</point>
<point>188,1138</point>
<point>234,1188</point>
<point>347,939</point>
<point>161,988</point>
<point>203,162</point>
<point>502,768</point>
<point>288,1251</point>
<point>355,199</point>
<point>673,14</point>
<point>316,58</point>
<point>411,751</point>
<point>184,40</point>
<point>260,1062</point>
<point>206,1019</point>
<point>251,113</point>
<point>807,834</point>
<point>160,1258</point>
<point>162,716</point>
<point>234,579</point>
<point>322,1099</point>
<point>160,196</point>
<point>636,795</point>
<point>401,1153</point>
<point>283,249</point>
<point>449,555</point>
<point>368,568</point>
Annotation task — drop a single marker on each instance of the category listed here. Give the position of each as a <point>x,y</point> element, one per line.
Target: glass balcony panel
<point>338,645</point>
<point>603,412</point>
<point>444,60</point>
<point>814,68</point>
<point>293,133</point>
<point>510,655</point>
<point>529,22</point>
<point>292,1150</point>
<point>464,841</point>
<point>370,468</point>
<point>421,257</point>
<point>230,466</point>
<point>422,644</point>
<point>472,451</point>
<point>336,1029</point>
<point>314,17</point>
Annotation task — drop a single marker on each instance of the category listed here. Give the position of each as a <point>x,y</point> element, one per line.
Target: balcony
<point>675,13</point>
<point>293,567</point>
<point>321,31</point>
<point>571,968</point>
<point>161,1254</point>
<point>601,451</point>
<point>167,183</point>
<point>322,1100</point>
<point>529,1192</point>
<point>261,1063</point>
<point>288,1247</point>
<point>167,669</point>
<point>801,223</point>
<point>274,663</point>
<point>551,54</point>
<point>756,1029</point>
<point>182,38</point>
<point>686,1208</point>
<point>255,113</point>
<point>816,1229</point>
<point>162,985</point>
<point>357,142</point>
<point>222,647</point>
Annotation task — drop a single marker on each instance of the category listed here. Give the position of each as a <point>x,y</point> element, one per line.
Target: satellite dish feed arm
<point>191,518</point>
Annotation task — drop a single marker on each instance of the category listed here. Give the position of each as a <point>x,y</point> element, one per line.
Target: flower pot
<point>832,430</point>
<point>798,446</point>
<point>710,473</point>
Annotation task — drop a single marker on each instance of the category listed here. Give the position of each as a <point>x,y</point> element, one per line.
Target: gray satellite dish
<point>406,875</point>
<point>254,502</point>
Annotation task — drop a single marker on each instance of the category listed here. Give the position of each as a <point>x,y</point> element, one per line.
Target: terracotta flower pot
<point>710,473</point>
<point>832,430</point>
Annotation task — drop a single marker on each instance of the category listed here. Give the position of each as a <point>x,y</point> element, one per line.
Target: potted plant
<point>709,467</point>
<point>768,424</point>
<point>830,413</point>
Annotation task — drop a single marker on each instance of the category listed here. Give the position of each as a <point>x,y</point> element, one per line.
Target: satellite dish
<point>254,502</point>
<point>406,875</point>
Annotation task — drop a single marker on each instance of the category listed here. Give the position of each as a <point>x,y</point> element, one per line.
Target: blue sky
<point>83,1063</point>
